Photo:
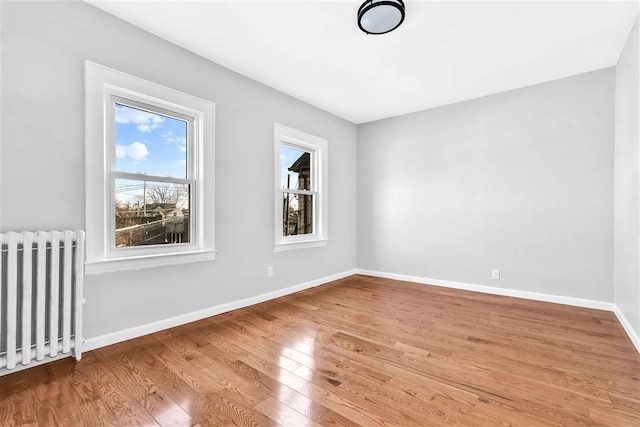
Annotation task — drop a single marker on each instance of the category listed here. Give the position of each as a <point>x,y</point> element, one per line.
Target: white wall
<point>626,184</point>
<point>521,181</point>
<point>42,164</point>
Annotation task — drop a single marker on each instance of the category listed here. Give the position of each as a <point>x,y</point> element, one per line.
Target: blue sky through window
<point>150,143</point>
<point>287,157</point>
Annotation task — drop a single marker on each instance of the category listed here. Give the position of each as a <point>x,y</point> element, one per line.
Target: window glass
<point>150,143</point>
<point>297,210</point>
<point>151,213</point>
<point>295,169</point>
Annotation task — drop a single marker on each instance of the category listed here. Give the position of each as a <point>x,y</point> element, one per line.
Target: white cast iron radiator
<point>41,296</point>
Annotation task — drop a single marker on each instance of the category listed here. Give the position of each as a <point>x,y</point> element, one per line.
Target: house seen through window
<point>298,194</point>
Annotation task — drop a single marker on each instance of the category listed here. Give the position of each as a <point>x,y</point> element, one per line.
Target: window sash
<point>153,109</point>
<point>193,224</point>
<point>313,161</point>
<point>314,210</point>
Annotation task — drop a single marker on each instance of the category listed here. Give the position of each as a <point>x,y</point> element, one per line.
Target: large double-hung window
<point>152,181</point>
<point>149,159</point>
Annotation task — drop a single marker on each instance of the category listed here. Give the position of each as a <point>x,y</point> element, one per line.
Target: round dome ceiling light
<point>380,16</point>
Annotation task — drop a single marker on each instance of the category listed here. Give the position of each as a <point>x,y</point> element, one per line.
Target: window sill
<point>281,247</point>
<point>148,261</point>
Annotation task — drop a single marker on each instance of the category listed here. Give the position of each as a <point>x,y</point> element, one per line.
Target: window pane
<point>297,212</point>
<point>151,213</point>
<point>295,169</point>
<point>150,143</point>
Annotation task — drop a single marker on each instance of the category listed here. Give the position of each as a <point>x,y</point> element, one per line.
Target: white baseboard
<point>149,328</point>
<point>558,299</point>
<point>633,336</point>
<point>578,302</point>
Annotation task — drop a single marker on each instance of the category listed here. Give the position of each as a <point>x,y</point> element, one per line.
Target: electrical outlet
<point>495,274</point>
<point>270,271</point>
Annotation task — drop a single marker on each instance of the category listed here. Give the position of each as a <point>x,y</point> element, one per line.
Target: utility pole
<point>144,199</point>
<point>286,206</point>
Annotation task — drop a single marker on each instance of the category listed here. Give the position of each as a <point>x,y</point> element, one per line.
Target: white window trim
<point>283,135</point>
<point>101,84</point>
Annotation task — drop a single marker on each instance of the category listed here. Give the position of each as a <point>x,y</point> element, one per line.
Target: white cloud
<point>136,151</point>
<point>182,144</point>
<point>144,120</point>
<point>179,141</point>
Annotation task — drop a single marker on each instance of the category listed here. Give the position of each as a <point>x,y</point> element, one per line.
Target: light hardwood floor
<point>358,351</point>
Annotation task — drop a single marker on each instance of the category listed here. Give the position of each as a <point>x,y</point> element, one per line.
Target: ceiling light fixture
<point>380,16</point>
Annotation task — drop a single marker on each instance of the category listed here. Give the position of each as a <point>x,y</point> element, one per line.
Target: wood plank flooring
<point>358,351</point>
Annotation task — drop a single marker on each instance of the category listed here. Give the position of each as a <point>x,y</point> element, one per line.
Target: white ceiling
<point>444,52</point>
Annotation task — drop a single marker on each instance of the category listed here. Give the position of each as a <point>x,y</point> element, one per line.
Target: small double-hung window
<point>301,187</point>
<point>149,177</point>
